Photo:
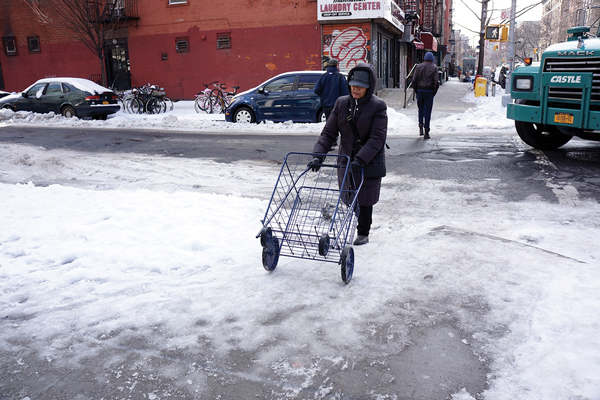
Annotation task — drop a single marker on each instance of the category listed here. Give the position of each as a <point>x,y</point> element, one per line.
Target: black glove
<point>315,164</point>
<point>356,166</point>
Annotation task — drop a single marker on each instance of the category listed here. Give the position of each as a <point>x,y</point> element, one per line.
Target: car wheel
<point>544,137</point>
<point>321,116</point>
<point>68,112</point>
<point>243,115</point>
<point>7,107</point>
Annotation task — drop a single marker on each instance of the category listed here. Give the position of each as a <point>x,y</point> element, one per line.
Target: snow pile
<point>487,115</point>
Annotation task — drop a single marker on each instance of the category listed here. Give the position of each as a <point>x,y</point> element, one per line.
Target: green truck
<point>559,97</point>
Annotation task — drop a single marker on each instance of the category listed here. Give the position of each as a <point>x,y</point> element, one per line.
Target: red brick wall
<point>60,54</point>
<point>267,37</point>
<point>255,55</point>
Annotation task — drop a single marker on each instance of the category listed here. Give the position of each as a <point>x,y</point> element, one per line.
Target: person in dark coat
<point>370,115</point>
<point>426,83</point>
<point>330,86</point>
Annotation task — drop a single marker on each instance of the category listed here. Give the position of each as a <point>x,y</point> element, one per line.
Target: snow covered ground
<point>184,118</point>
<point>117,248</point>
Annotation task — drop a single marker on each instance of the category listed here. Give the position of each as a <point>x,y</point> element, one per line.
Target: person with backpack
<point>426,82</point>
<point>330,86</point>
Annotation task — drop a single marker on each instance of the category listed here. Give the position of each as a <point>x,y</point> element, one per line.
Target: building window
<point>177,2</point>
<point>224,40</point>
<point>33,42</point>
<point>182,45</point>
<point>10,45</point>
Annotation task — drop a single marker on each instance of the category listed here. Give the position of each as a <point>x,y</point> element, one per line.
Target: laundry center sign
<point>335,10</point>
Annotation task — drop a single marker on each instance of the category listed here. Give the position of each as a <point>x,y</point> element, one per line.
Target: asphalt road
<point>524,170</point>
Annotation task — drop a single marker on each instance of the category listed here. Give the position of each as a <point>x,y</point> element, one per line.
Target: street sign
<point>504,14</point>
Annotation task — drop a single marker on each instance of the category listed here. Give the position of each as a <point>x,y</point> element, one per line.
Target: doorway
<point>385,60</point>
<point>118,74</point>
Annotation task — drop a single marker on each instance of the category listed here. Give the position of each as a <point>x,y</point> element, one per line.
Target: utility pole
<point>484,5</point>
<point>511,53</point>
<point>511,42</point>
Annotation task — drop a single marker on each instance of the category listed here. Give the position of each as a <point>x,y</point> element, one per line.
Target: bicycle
<point>219,99</point>
<point>148,98</point>
<point>201,102</point>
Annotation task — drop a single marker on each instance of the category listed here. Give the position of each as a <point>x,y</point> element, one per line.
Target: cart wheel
<point>347,264</point>
<point>265,236</point>
<point>270,254</point>
<point>324,244</point>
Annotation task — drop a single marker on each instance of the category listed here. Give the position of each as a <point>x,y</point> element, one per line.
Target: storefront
<point>356,31</point>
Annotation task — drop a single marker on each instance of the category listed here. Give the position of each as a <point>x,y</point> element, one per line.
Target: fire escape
<point>111,17</point>
<point>113,12</point>
<point>411,13</point>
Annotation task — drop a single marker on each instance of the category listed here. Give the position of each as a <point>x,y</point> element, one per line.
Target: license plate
<point>105,102</point>
<point>563,118</point>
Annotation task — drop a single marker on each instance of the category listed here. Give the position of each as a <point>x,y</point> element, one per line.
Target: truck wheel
<point>544,137</point>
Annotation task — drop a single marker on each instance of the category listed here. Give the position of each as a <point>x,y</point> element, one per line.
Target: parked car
<point>285,97</point>
<point>71,97</point>
<point>3,93</point>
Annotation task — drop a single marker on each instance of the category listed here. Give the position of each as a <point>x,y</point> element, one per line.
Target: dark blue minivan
<point>286,97</point>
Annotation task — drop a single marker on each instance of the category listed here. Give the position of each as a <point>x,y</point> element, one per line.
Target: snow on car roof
<point>80,83</point>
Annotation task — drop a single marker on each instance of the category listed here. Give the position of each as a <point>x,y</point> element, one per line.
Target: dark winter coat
<point>370,115</point>
<point>330,86</point>
<point>426,77</point>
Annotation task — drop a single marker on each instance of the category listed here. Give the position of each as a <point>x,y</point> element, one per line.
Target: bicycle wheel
<point>217,101</point>
<point>154,106</point>
<point>127,104</point>
<point>168,103</point>
<point>137,106</point>
<point>201,103</point>
<point>212,105</point>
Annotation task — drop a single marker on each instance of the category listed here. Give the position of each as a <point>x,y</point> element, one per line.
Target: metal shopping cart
<point>312,215</point>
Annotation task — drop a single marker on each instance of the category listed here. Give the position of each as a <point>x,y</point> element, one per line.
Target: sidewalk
<point>448,101</point>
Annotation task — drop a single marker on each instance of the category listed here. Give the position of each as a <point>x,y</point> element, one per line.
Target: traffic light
<point>535,51</point>
<point>492,32</point>
<point>496,33</point>
<point>495,47</point>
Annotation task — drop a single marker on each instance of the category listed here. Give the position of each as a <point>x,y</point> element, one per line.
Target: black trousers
<point>327,112</point>
<point>365,218</point>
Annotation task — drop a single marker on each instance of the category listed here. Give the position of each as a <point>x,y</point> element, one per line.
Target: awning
<point>418,44</point>
<point>429,41</point>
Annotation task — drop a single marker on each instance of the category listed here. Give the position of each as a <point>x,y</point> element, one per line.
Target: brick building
<point>183,44</point>
<point>560,15</point>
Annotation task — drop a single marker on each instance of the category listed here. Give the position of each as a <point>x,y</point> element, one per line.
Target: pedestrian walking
<point>360,119</point>
<point>426,83</point>
<point>330,86</point>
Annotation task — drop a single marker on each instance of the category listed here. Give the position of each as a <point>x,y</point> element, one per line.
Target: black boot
<point>420,129</point>
<point>426,136</point>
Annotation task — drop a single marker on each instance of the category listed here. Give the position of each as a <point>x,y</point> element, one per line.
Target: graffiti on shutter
<point>350,44</point>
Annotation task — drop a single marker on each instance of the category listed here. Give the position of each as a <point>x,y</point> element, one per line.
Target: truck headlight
<point>523,83</point>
